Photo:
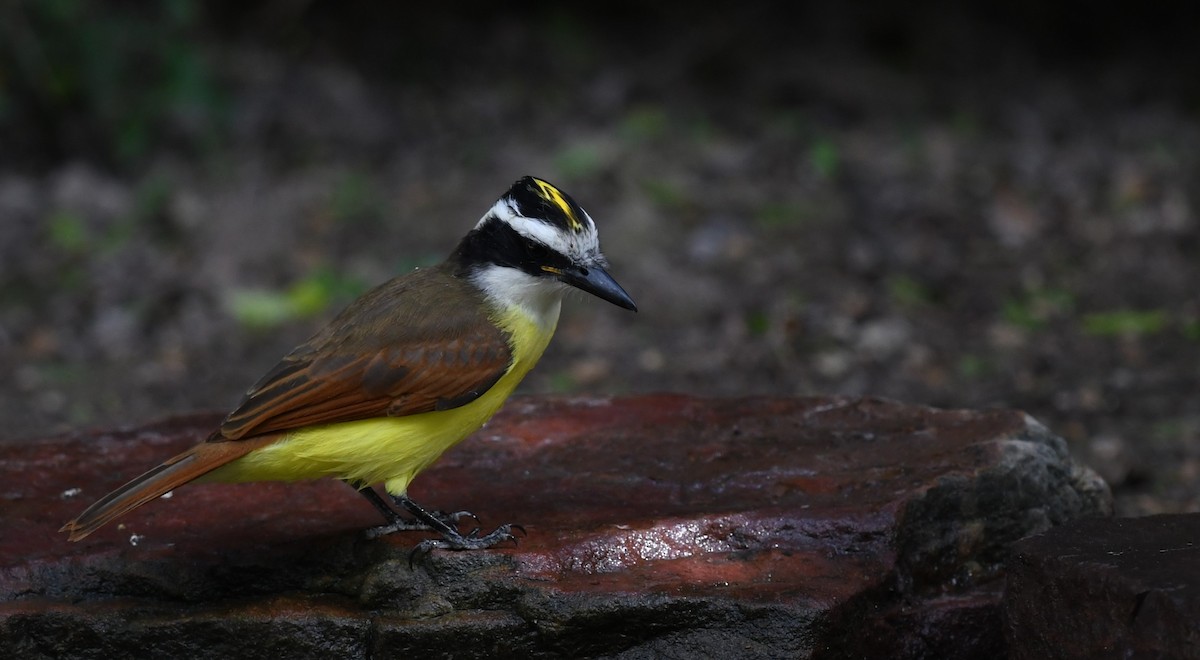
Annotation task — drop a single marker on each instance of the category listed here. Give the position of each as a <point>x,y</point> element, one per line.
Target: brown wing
<point>418,343</point>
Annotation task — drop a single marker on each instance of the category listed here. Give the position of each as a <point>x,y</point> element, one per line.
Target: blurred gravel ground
<point>925,207</point>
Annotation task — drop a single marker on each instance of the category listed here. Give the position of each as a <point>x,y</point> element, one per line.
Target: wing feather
<point>418,343</point>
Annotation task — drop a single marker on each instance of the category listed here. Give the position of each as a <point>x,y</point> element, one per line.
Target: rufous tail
<point>191,464</point>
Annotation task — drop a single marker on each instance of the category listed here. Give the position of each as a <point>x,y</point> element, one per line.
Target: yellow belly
<point>391,450</point>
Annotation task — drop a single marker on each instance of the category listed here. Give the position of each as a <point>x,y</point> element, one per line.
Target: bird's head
<point>534,240</point>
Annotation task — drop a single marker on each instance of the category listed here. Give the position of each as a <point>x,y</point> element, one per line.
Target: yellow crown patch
<point>555,197</point>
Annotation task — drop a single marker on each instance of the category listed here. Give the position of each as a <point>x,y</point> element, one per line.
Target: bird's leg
<point>395,522</point>
<point>398,523</point>
<point>452,539</point>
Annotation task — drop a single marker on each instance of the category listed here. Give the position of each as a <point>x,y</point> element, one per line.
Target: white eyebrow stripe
<point>582,247</point>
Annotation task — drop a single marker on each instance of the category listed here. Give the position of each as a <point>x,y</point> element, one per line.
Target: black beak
<point>597,282</point>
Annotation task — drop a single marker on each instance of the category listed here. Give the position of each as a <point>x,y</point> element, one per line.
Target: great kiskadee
<point>405,372</point>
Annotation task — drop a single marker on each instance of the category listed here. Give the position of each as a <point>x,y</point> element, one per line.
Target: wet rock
<point>658,525</point>
<point>1107,588</point>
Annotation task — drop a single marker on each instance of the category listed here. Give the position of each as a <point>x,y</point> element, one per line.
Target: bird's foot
<point>423,521</point>
<point>451,519</point>
<point>443,523</point>
<point>401,524</point>
<point>397,525</point>
<point>453,540</point>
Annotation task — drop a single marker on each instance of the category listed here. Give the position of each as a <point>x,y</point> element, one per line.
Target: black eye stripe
<point>497,242</point>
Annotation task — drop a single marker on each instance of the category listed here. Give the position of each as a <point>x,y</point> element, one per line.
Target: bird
<point>406,371</point>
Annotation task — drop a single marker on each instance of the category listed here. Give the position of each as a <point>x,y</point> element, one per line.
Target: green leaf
<point>824,158</point>
<point>257,308</point>
<point>644,124</point>
<point>1125,323</point>
<point>908,292</point>
<point>68,232</point>
<point>757,323</point>
<point>1191,329</point>
<point>974,366</point>
<point>664,194</point>
<point>1034,310</point>
<point>308,297</point>
<point>782,214</point>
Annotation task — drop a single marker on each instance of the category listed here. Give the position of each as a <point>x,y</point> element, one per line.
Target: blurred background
<point>953,204</point>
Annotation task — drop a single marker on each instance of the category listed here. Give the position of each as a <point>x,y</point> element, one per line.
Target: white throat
<point>509,289</point>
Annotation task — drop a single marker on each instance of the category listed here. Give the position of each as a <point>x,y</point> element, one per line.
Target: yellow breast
<point>393,450</point>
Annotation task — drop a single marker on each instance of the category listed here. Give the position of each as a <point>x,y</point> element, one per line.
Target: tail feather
<point>191,464</point>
